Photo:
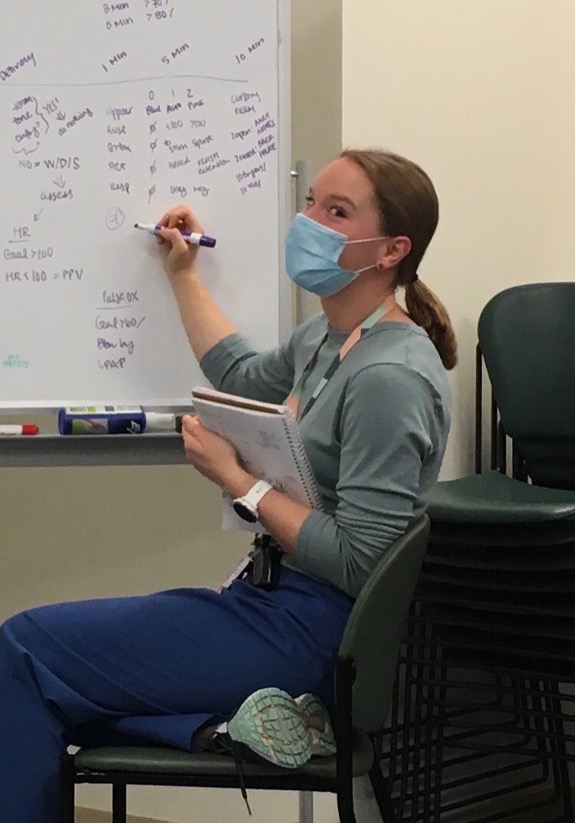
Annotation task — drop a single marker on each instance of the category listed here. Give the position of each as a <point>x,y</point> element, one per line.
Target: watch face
<point>244,511</point>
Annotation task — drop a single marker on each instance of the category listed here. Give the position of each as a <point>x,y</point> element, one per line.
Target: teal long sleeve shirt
<point>375,436</point>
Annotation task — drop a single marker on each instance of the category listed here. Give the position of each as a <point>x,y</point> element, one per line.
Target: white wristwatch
<point>247,505</point>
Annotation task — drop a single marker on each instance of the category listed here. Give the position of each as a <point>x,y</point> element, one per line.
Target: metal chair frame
<point>498,437</point>
<point>437,740</point>
<point>436,743</point>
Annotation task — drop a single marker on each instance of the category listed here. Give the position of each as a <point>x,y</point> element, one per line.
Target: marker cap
<point>19,429</point>
<point>160,422</point>
<point>30,429</point>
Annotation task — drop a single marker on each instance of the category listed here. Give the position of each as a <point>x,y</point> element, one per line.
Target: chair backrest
<point>526,335</point>
<point>375,626</point>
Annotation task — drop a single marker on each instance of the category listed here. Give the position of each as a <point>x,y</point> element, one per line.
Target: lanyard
<point>293,399</point>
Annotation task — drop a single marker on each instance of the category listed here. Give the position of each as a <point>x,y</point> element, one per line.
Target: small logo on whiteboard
<point>15,362</point>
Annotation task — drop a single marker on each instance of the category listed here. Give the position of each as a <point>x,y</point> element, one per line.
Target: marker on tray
<point>114,420</point>
<point>190,237</point>
<point>18,429</point>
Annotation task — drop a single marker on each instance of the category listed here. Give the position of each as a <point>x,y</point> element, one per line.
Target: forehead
<point>344,177</point>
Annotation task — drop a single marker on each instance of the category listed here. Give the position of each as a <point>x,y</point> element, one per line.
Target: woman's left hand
<point>213,456</point>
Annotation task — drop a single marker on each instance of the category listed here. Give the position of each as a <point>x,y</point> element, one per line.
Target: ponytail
<point>428,311</point>
<point>408,205</point>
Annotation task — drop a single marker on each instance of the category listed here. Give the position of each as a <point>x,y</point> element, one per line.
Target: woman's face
<point>341,198</point>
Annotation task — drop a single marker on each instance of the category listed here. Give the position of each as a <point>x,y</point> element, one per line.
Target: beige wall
<point>317,98</point>
<point>480,93</point>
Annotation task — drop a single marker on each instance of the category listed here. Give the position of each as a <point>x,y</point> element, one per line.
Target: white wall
<point>480,94</point>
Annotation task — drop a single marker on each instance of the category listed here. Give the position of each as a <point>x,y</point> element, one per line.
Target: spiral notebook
<point>268,443</point>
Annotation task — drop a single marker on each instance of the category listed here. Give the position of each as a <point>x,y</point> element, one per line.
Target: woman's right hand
<point>179,256</point>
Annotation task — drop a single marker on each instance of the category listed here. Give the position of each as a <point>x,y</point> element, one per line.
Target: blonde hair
<point>408,205</point>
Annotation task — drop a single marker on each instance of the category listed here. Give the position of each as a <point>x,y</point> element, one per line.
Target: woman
<point>367,380</point>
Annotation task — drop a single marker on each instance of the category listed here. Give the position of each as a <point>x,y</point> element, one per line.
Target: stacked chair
<point>482,719</point>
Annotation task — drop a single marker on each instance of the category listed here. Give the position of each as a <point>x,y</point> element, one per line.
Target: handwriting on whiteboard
<point>113,139</point>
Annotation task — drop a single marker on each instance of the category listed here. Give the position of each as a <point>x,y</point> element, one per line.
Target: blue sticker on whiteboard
<point>15,362</point>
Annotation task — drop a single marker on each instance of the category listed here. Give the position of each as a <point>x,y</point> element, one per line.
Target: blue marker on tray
<point>190,237</point>
<point>114,420</point>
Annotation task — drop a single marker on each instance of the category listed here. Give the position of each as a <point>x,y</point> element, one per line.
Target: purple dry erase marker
<point>190,237</point>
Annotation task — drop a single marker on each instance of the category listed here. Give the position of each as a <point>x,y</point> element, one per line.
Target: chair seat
<point>492,497</point>
<point>500,581</point>
<point>543,626</point>
<point>165,761</point>
<point>503,664</point>
<point>543,603</point>
<point>527,646</point>
<point>517,559</point>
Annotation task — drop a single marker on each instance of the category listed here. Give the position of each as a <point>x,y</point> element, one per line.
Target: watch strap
<point>247,505</point>
<point>257,492</point>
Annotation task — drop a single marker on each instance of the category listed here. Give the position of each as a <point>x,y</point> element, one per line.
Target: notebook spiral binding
<point>303,465</point>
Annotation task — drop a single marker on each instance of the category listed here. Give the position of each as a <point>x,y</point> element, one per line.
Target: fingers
<point>181,217</point>
<point>189,429</point>
<point>174,238</point>
<point>190,424</point>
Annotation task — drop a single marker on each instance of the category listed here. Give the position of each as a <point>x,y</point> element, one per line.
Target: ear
<point>392,251</point>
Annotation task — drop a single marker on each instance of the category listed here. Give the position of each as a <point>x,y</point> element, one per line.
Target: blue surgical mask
<point>312,255</point>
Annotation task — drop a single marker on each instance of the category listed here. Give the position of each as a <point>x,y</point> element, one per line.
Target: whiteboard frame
<point>285,290</point>
<point>286,295</point>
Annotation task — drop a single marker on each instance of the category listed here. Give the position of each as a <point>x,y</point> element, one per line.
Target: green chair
<point>481,714</point>
<point>364,681</point>
<point>526,339</point>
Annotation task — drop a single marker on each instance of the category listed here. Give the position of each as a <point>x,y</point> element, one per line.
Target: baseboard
<point>88,815</point>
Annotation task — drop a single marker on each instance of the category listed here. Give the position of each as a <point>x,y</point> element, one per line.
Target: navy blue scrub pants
<point>158,666</point>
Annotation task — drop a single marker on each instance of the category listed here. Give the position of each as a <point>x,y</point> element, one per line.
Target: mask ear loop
<point>365,269</point>
<point>367,239</point>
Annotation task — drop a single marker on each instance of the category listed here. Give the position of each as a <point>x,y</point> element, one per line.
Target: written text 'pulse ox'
<point>190,237</point>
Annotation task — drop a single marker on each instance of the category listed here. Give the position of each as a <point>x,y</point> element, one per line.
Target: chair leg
<point>344,738</point>
<point>345,800</point>
<point>558,747</point>
<point>306,806</point>
<point>382,793</point>
<point>118,802</point>
<point>67,787</point>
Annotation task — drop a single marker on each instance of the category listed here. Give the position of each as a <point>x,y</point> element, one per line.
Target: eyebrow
<point>337,196</point>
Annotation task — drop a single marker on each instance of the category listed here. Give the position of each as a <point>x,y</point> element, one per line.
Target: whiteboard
<point>111,112</point>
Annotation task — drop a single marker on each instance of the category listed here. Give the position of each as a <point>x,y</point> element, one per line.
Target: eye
<point>334,210</point>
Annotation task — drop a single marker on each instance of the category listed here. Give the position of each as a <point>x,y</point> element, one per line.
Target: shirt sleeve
<point>233,366</point>
<point>387,430</point>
